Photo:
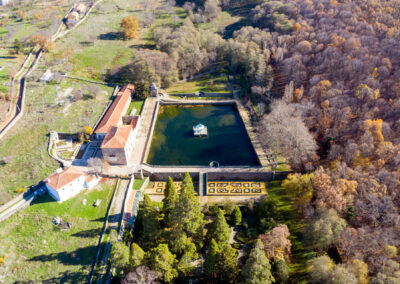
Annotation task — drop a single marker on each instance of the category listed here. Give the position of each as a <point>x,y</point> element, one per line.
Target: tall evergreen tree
<point>160,259</point>
<point>151,225</point>
<point>257,269</point>
<point>210,262</point>
<point>120,258</point>
<point>236,216</point>
<point>186,215</point>
<point>170,199</point>
<point>136,255</point>
<point>219,230</point>
<point>227,267</point>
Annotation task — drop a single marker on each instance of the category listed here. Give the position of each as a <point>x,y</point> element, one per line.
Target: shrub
<point>2,260</point>
<point>20,190</point>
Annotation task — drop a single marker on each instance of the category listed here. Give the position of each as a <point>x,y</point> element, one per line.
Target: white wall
<point>69,190</point>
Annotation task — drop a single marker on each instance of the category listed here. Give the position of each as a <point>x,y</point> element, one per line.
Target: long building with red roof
<point>115,112</point>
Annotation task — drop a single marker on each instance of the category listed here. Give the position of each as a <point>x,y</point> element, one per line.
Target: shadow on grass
<point>143,46</point>
<point>111,36</point>
<point>242,11</point>
<point>81,256</point>
<point>64,277</point>
<point>103,219</point>
<point>43,199</point>
<point>92,233</point>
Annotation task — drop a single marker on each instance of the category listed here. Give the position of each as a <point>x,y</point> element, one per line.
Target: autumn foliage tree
<point>130,27</point>
<point>44,42</point>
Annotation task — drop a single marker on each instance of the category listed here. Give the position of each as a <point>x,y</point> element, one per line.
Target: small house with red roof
<point>68,182</point>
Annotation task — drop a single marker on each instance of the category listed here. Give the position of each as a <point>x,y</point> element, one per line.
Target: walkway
<point>143,131</point>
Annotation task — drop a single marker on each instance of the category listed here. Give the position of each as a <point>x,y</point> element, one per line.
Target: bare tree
<point>96,165</point>
<point>283,130</point>
<point>141,275</point>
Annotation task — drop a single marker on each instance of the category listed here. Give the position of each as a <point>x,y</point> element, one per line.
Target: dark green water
<point>227,142</point>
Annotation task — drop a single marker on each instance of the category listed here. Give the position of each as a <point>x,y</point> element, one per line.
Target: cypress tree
<point>170,199</point>
<point>236,216</point>
<point>257,269</point>
<point>186,215</point>
<point>210,262</point>
<point>219,230</point>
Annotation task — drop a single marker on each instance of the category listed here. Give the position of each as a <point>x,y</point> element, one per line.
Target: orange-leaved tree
<point>130,27</point>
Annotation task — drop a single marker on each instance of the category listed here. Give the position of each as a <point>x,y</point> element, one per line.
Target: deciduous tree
<point>130,27</point>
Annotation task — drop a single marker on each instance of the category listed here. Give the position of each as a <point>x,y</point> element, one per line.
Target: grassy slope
<point>292,219</point>
<point>215,82</point>
<point>35,249</point>
<point>109,49</point>
<point>23,30</point>
<point>26,143</point>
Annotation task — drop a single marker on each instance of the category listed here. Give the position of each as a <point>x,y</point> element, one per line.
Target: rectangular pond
<point>227,142</point>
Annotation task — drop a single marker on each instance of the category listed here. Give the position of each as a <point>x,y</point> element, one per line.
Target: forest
<point>180,240</point>
<point>324,75</point>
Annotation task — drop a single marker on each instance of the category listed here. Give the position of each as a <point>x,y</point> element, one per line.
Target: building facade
<point>67,183</point>
<point>115,112</point>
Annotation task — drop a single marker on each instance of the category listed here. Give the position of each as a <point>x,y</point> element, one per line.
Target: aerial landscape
<point>200,141</point>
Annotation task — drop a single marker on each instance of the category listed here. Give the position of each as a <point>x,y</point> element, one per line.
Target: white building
<point>67,183</point>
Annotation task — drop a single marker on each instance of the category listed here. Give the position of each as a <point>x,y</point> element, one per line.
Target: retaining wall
<point>203,95</point>
<point>219,176</point>
<point>150,134</point>
<point>164,176</point>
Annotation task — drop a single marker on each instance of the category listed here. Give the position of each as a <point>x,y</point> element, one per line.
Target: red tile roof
<point>117,137</point>
<point>114,113</point>
<point>59,180</point>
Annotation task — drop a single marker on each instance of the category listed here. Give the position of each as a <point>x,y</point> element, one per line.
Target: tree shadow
<point>103,219</point>
<point>242,11</point>
<point>64,277</point>
<point>111,36</point>
<point>143,46</point>
<point>86,43</point>
<point>92,233</point>
<point>81,256</point>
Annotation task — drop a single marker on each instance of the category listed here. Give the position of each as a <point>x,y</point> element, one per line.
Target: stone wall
<point>219,176</point>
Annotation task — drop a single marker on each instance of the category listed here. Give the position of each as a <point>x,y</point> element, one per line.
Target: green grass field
<point>137,104</point>
<point>97,44</point>
<point>37,250</point>
<point>215,82</point>
<point>26,144</point>
<point>291,218</point>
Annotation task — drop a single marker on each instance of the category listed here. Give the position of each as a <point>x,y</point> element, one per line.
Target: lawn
<point>215,82</point>
<point>26,143</point>
<point>137,184</point>
<point>36,250</point>
<point>135,104</point>
<point>290,217</point>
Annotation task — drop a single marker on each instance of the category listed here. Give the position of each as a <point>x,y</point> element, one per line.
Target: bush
<point>237,246</point>
<point>20,190</point>
<point>2,260</point>
<point>213,210</point>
